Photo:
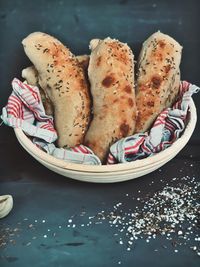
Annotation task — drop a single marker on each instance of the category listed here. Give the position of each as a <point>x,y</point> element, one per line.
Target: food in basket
<point>65,84</point>
<point>106,79</point>
<point>30,74</point>
<point>111,76</point>
<point>158,78</point>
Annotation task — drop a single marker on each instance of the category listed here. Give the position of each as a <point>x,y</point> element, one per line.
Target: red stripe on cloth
<point>47,127</point>
<point>28,97</point>
<point>160,147</point>
<point>22,112</point>
<point>162,116</point>
<point>169,126</point>
<point>26,87</point>
<point>14,99</point>
<point>28,116</point>
<point>161,119</point>
<point>175,106</point>
<point>13,113</point>
<point>84,149</point>
<point>173,137</point>
<point>111,159</point>
<point>13,108</point>
<point>168,142</point>
<point>131,152</point>
<point>136,145</point>
<point>35,95</point>
<point>185,85</point>
<point>51,130</point>
<point>146,149</point>
<point>80,148</point>
<point>31,100</point>
<point>17,82</point>
<point>37,115</point>
<point>12,104</point>
<point>75,149</point>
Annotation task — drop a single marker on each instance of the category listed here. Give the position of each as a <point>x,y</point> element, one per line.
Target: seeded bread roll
<point>30,74</point>
<point>84,62</point>
<point>64,82</point>
<point>172,97</point>
<point>111,76</point>
<point>158,78</point>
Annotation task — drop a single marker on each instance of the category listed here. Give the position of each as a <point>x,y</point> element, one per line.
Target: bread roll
<point>158,78</point>
<point>172,97</point>
<point>64,82</point>
<point>30,74</point>
<point>84,62</point>
<point>111,76</point>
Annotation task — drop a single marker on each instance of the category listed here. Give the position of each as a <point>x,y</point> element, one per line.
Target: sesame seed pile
<point>172,213</point>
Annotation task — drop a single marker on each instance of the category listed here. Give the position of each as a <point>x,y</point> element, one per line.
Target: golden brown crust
<point>30,74</point>
<point>158,66</point>
<point>111,77</point>
<point>63,80</point>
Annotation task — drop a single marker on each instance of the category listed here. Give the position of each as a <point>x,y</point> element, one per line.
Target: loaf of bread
<point>158,78</point>
<point>30,74</point>
<point>64,82</point>
<point>111,76</point>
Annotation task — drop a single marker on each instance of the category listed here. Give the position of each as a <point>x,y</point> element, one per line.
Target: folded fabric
<point>79,154</point>
<point>166,129</point>
<point>25,110</point>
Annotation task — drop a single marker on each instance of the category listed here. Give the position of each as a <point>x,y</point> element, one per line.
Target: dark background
<point>41,194</point>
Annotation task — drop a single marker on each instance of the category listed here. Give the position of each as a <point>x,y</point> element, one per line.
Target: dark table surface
<point>56,221</point>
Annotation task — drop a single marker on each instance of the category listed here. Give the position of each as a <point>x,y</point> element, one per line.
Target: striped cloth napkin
<point>166,129</point>
<point>25,110</point>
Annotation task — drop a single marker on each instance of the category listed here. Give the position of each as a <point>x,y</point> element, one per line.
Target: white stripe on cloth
<point>167,128</point>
